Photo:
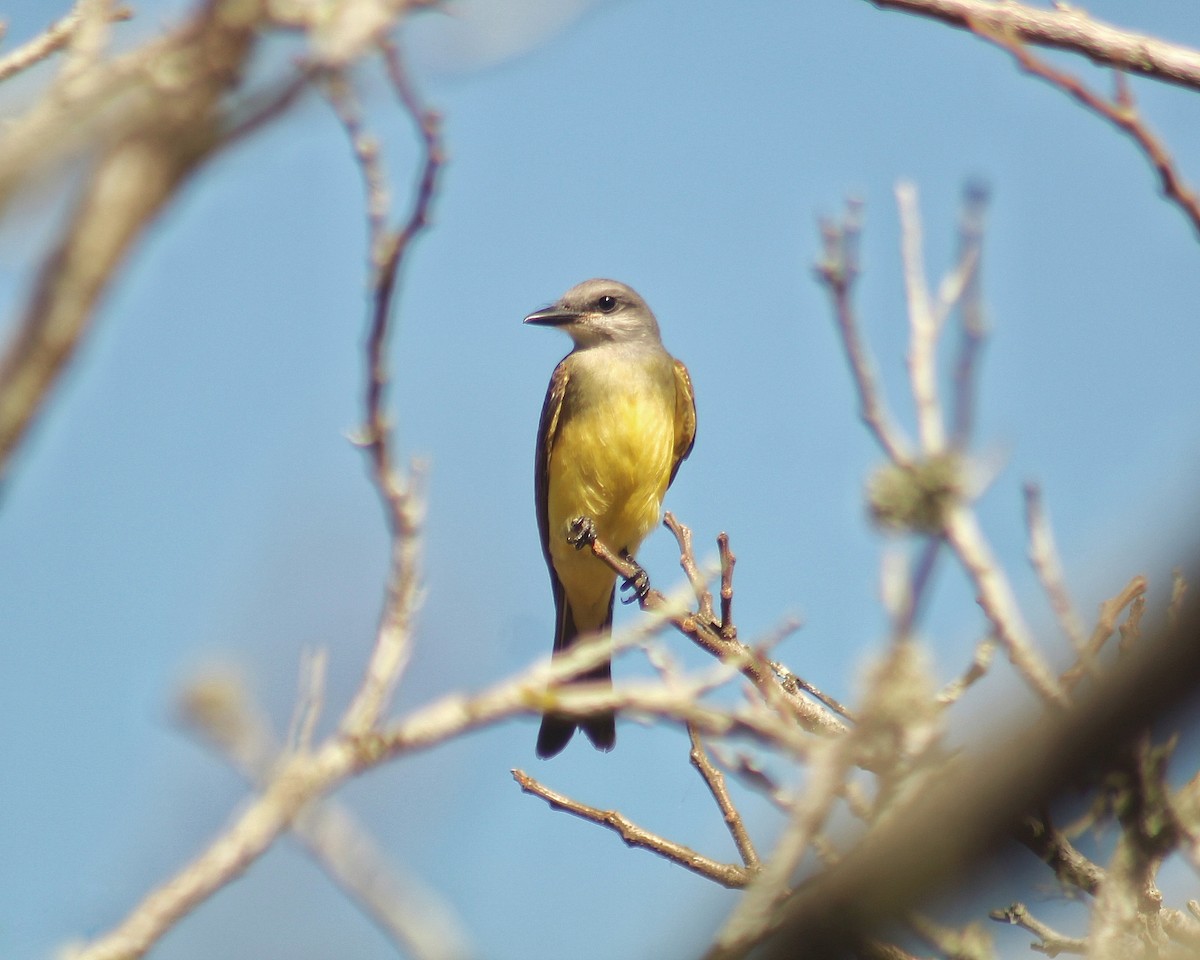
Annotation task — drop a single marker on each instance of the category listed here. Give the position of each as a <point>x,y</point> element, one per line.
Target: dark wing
<point>547,430</point>
<point>685,418</point>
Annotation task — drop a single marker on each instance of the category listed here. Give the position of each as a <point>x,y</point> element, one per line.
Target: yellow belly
<point>611,462</point>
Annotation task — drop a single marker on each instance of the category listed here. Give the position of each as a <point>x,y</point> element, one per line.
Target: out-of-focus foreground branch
<point>143,121</point>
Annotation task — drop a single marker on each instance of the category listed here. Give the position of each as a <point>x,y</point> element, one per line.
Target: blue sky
<point>191,499</point>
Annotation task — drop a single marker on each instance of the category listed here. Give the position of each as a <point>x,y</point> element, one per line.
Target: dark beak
<point>552,317</point>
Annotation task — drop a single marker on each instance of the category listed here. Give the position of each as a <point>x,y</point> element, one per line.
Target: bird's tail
<point>557,730</point>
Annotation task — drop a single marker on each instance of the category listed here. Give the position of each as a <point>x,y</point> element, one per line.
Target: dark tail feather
<point>556,730</point>
<point>602,728</point>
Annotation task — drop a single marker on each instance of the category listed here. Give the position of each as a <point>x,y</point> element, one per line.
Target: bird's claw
<point>581,532</point>
<point>638,582</point>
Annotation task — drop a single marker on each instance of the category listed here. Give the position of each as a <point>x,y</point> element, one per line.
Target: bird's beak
<point>552,317</point>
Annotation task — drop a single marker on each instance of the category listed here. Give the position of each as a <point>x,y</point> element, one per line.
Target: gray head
<point>600,311</point>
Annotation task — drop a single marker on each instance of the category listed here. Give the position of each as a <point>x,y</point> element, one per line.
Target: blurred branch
<point>1050,941</point>
<point>927,494</point>
<point>163,135</point>
<point>1110,610</point>
<point>1071,868</point>
<point>838,271</point>
<point>985,651</point>
<point>219,712</point>
<point>973,329</point>
<point>1065,27</point>
<point>924,326</point>
<point>56,37</point>
<point>1043,554</point>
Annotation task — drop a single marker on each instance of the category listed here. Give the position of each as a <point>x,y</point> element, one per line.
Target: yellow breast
<point>612,462</point>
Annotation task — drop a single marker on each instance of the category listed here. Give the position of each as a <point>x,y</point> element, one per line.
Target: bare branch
<point>756,913</point>
<point>793,684</point>
<point>418,922</point>
<point>1043,554</point>
<point>1070,867</point>
<point>54,38</point>
<point>726,874</point>
<point>715,780</point>
<point>155,148</point>
<point>402,507</point>
<point>687,561</point>
<point>995,596</point>
<point>1065,27</point>
<point>1050,941</point>
<point>838,270</point>
<point>978,667</point>
<point>1110,610</point>
<point>728,630</point>
<point>974,325</point>
<point>705,633</point>
<point>923,326</point>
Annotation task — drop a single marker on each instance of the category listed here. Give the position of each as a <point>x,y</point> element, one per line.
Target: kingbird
<point>619,418</point>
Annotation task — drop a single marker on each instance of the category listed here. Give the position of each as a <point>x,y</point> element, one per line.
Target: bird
<point>618,419</point>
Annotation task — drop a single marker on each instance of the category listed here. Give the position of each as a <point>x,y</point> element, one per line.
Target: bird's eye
<point>607,304</point>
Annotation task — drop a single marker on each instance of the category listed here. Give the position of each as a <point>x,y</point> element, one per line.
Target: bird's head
<point>600,311</point>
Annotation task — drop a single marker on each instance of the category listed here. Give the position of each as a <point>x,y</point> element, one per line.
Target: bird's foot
<point>638,582</point>
<point>581,532</point>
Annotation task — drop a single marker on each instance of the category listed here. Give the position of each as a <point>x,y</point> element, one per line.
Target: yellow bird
<point>619,418</point>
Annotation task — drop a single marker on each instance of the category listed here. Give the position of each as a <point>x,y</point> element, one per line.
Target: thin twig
<point>1110,610</point>
<point>687,561</point>
<point>726,874</point>
<point>994,594</point>
<point>756,913</point>
<point>728,560</point>
<point>402,506</point>
<point>1179,587</point>
<point>1131,629</point>
<point>978,667</point>
<point>910,591</point>
<point>1043,554</point>
<point>923,326</point>
<point>838,270</point>
<point>715,780</point>
<point>793,684</point>
<point>310,700</point>
<point>973,330</point>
